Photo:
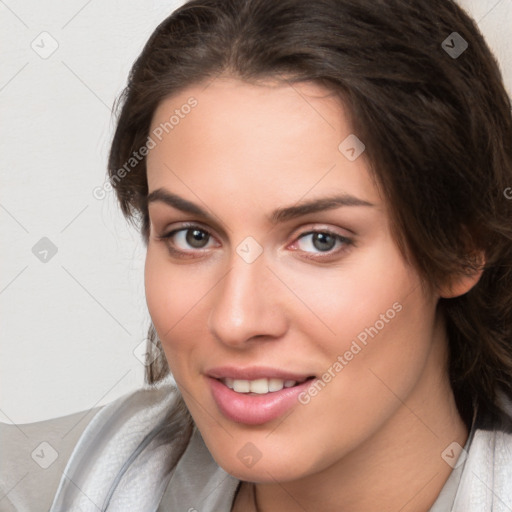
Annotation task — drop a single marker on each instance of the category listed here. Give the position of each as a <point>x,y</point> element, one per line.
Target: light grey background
<point>70,325</point>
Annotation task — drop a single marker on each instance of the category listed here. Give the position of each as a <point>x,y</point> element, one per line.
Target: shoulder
<point>487,474</point>
<point>127,452</point>
<point>488,470</point>
<point>34,456</point>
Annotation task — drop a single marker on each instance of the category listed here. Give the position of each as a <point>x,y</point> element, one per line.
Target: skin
<point>372,438</point>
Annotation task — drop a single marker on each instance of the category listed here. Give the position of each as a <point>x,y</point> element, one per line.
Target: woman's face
<point>271,263</point>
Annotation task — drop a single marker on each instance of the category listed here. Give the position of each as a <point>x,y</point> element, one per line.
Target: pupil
<point>196,237</point>
<point>323,241</point>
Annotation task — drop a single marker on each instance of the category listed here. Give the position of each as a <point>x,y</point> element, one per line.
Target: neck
<point>398,468</point>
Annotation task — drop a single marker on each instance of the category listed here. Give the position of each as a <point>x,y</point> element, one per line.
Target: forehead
<point>273,141</point>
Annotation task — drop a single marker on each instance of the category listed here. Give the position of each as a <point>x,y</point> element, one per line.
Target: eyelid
<point>166,232</point>
<point>319,227</point>
<point>184,226</point>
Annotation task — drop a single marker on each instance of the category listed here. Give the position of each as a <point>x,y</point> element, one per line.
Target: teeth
<point>275,384</point>
<point>259,386</point>
<point>241,386</point>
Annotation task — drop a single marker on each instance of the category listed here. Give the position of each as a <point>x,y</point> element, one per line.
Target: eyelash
<point>346,242</point>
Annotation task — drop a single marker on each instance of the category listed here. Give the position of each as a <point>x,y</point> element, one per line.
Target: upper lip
<point>254,372</point>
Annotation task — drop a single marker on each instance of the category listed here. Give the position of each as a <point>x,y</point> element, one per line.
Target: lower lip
<point>253,409</point>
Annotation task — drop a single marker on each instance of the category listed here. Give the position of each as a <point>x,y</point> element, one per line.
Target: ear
<point>459,284</point>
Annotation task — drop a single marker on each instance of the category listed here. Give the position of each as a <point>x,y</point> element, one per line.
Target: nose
<point>246,305</point>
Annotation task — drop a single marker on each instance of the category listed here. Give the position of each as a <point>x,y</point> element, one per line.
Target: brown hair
<point>437,129</point>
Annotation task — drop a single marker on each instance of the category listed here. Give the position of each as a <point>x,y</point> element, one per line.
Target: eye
<point>193,237</point>
<point>322,242</point>
<point>187,239</point>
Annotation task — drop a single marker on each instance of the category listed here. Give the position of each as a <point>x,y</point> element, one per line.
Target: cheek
<point>384,342</point>
<point>178,297</point>
<point>372,324</point>
<point>159,297</point>
<point>173,297</point>
<point>363,293</point>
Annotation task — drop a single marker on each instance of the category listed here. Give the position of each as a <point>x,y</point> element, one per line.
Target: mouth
<point>261,386</point>
<point>256,396</point>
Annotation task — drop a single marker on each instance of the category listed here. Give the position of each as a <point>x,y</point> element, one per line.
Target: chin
<point>262,472</point>
<point>261,462</point>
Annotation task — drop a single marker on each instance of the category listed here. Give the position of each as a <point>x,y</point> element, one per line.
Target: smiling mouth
<point>260,386</point>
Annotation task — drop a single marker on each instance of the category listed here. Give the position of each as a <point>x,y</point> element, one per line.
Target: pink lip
<point>253,409</point>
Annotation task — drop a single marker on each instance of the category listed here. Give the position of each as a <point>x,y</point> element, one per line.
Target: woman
<point>321,188</point>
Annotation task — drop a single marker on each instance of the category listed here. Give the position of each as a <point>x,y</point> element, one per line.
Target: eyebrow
<point>277,216</point>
